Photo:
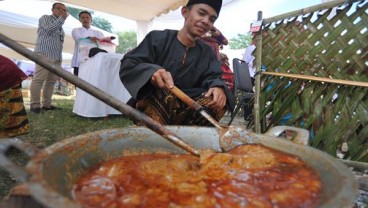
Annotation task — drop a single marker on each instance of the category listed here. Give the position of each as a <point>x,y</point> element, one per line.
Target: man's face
<point>85,19</point>
<point>199,19</point>
<point>58,10</point>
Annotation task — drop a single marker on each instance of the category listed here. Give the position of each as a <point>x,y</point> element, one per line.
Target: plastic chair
<point>243,87</point>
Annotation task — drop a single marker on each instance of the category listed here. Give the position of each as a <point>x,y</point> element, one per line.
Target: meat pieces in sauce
<point>247,176</point>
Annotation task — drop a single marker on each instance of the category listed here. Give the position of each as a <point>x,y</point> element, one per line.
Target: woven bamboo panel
<point>315,44</point>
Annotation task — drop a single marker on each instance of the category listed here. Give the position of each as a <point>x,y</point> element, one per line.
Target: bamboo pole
<point>257,115</point>
<point>307,10</point>
<point>320,79</point>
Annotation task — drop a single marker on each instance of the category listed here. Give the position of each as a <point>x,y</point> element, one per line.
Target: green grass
<point>53,126</point>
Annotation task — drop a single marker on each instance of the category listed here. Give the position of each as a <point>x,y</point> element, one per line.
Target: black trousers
<point>75,71</point>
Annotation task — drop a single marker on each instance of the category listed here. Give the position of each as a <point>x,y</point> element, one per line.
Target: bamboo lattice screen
<point>316,43</point>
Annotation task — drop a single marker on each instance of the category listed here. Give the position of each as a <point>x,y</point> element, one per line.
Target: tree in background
<point>99,22</point>
<point>127,41</point>
<point>102,23</point>
<point>241,41</point>
<point>74,12</point>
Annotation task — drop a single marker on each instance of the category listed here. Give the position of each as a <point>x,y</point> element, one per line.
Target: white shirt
<point>249,58</point>
<point>82,32</point>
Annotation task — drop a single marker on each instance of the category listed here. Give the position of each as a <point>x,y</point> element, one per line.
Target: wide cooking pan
<point>51,172</point>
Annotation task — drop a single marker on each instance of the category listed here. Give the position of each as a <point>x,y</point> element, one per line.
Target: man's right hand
<point>162,79</point>
<point>64,14</point>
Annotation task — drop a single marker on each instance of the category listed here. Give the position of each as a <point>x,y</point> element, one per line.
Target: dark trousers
<point>249,105</point>
<point>75,71</point>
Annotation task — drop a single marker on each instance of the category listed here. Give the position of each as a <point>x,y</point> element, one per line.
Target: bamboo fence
<point>316,75</point>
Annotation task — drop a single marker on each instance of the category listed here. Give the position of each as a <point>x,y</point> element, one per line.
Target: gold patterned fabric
<point>13,116</point>
<point>167,109</point>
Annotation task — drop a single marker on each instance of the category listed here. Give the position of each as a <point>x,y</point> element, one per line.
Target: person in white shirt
<point>83,32</point>
<point>249,58</point>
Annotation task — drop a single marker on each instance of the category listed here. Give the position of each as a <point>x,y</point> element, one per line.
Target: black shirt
<point>194,69</point>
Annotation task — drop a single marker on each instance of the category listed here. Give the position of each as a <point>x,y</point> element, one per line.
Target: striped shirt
<point>50,36</point>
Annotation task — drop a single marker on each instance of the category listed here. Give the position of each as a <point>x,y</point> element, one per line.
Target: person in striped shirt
<point>50,39</point>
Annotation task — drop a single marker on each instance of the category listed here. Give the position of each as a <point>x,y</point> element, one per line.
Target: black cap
<point>215,4</point>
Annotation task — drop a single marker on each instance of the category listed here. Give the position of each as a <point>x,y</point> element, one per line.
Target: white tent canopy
<point>19,19</point>
<point>141,10</point>
<point>148,14</point>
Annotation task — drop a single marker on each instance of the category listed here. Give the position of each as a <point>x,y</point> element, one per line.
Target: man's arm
<point>137,67</point>
<point>99,34</point>
<point>76,34</point>
<point>216,86</point>
<point>50,27</point>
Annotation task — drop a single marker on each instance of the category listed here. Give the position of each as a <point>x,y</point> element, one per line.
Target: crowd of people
<point>189,59</point>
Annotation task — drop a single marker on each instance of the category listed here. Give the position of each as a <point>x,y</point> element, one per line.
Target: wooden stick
<point>194,105</point>
<point>320,79</point>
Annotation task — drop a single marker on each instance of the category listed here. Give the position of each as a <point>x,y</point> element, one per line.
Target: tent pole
<point>257,120</point>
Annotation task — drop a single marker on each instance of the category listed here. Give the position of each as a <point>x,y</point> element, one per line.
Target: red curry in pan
<point>247,176</point>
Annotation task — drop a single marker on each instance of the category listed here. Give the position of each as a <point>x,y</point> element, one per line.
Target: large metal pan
<point>51,172</point>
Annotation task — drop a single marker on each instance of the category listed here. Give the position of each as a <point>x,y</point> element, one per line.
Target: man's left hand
<point>218,97</point>
<point>94,39</point>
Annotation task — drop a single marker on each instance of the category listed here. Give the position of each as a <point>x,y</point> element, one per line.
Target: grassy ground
<point>53,126</point>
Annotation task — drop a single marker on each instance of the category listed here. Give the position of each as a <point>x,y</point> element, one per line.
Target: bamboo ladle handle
<point>229,136</point>
<point>194,105</point>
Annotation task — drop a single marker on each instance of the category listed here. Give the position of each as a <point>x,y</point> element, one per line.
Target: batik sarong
<point>167,109</point>
<point>13,116</point>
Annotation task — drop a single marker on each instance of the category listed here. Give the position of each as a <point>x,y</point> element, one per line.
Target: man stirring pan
<point>170,57</point>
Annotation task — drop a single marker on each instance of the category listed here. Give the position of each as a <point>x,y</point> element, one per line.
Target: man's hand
<point>216,33</point>
<point>64,13</point>
<point>219,97</point>
<point>94,39</point>
<point>162,79</point>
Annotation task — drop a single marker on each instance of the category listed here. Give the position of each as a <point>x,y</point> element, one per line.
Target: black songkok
<point>215,4</point>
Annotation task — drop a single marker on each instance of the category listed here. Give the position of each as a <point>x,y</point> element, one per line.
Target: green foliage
<point>127,41</point>
<point>74,12</point>
<point>99,22</point>
<point>333,121</point>
<point>240,42</point>
<point>102,23</point>
<point>335,114</point>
